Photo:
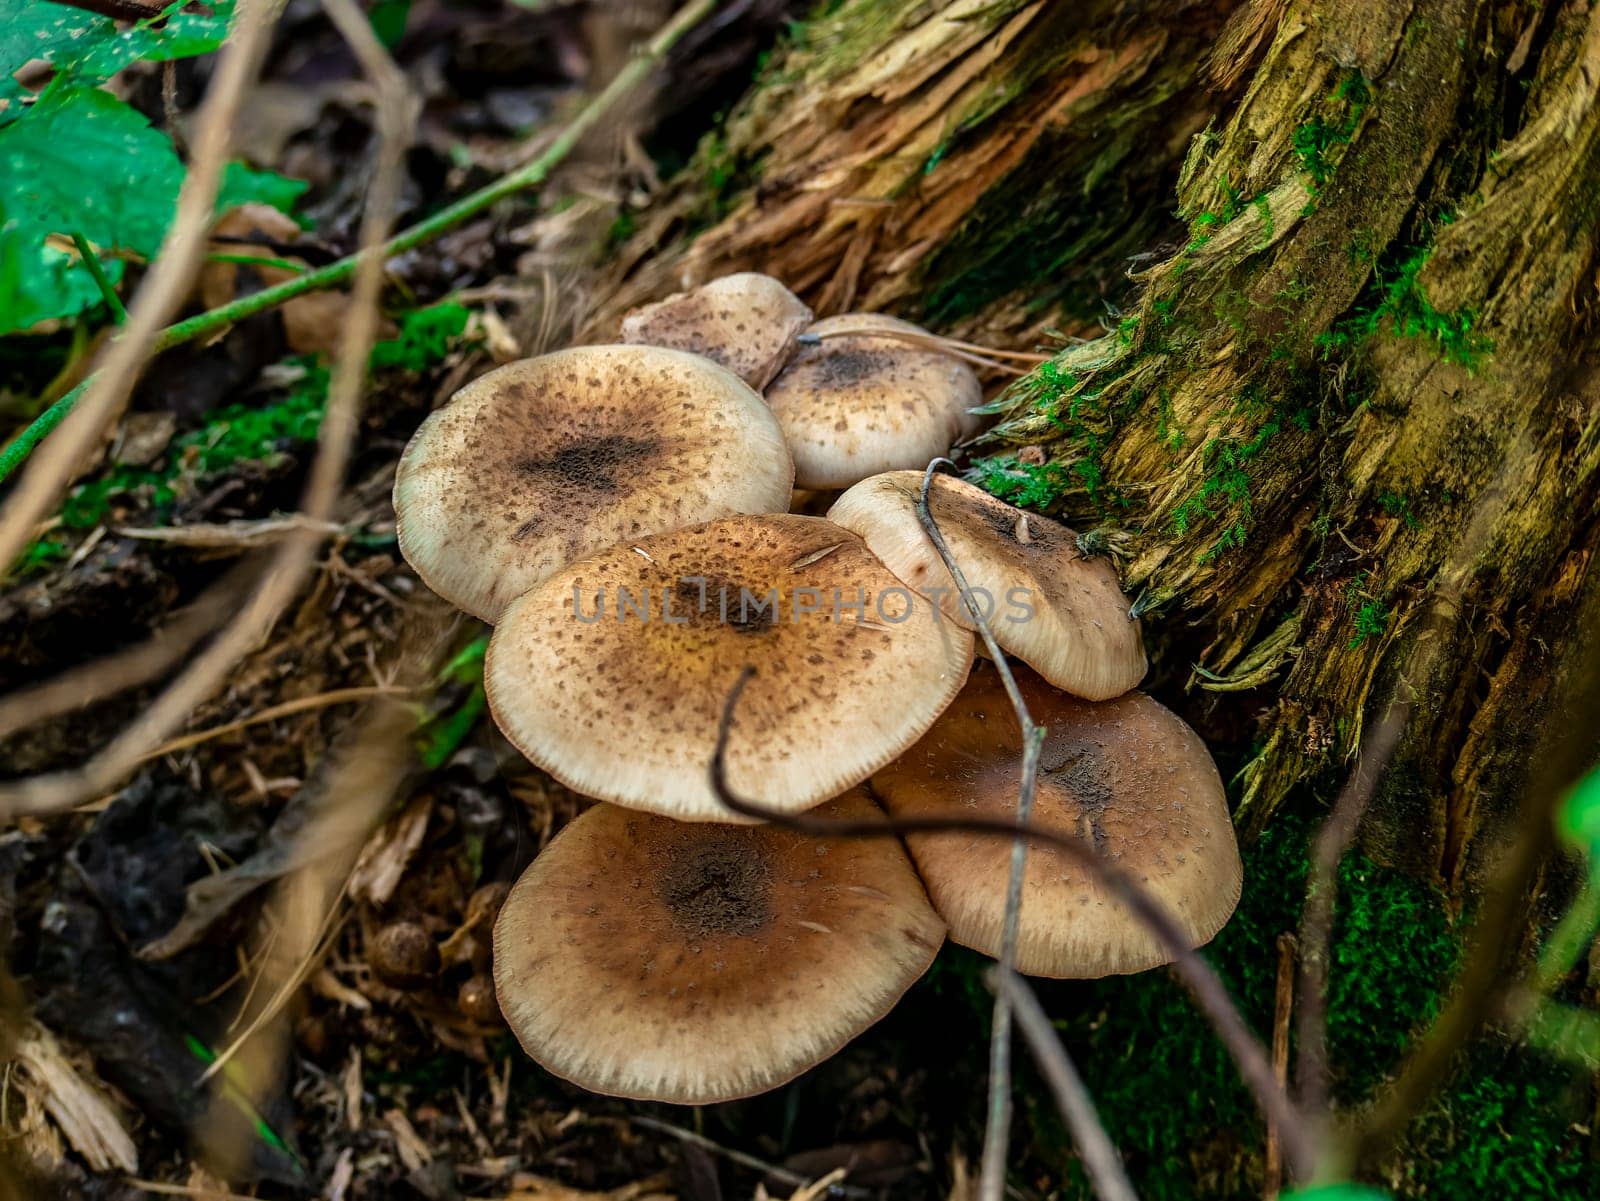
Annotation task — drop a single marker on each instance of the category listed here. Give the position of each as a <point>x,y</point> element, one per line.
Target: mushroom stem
<point>1198,976</point>
<point>1101,1163</point>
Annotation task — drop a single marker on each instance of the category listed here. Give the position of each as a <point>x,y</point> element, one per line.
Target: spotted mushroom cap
<point>747,322</point>
<point>1127,775</point>
<point>1046,603</point>
<point>668,961</point>
<point>612,675</point>
<point>854,405</point>
<point>548,460</point>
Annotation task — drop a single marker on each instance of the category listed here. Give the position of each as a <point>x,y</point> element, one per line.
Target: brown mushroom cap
<point>545,461</point>
<point>747,322</point>
<point>1127,774</point>
<point>612,676</point>
<point>1058,611</point>
<point>647,958</point>
<point>854,405</point>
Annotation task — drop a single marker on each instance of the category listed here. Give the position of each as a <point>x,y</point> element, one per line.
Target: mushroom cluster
<point>620,515</point>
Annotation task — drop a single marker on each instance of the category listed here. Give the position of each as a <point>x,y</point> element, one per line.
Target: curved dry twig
<point>294,557</point>
<point>52,793</point>
<point>1198,976</point>
<point>53,465</point>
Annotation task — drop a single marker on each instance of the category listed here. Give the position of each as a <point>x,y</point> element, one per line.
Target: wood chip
<point>414,1153</point>
<point>77,1107</point>
<point>383,860</point>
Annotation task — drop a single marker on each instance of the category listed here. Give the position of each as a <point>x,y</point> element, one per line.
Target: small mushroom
<point>403,955</point>
<point>612,675</point>
<point>747,322</point>
<point>548,460</point>
<point>855,404</point>
<point>647,958</point>
<point>1063,614</point>
<point>475,999</point>
<point>1127,776</point>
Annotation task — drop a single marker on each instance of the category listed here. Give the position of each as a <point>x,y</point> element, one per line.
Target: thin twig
<point>744,1160</point>
<point>1282,1011</point>
<point>106,391</point>
<point>304,704</point>
<point>969,352</point>
<point>1198,976</point>
<point>1328,848</point>
<point>81,686</point>
<point>96,269</point>
<point>43,794</point>
<point>997,1125</point>
<point>531,174</point>
<point>1338,832</point>
<point>1101,1163</point>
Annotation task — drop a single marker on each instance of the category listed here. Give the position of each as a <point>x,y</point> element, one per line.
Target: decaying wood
<point>1375,328</point>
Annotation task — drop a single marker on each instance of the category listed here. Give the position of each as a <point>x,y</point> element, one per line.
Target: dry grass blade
<point>304,704</point>
<point>51,468</point>
<point>967,352</point>
<point>229,535</point>
<point>360,786</point>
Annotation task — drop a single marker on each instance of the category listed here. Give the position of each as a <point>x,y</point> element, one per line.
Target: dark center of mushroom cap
<point>848,366</point>
<point>1079,768</point>
<point>593,463</point>
<point>708,600</point>
<point>717,882</point>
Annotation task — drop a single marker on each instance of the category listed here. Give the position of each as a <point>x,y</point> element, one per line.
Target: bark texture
<point>1354,383</point>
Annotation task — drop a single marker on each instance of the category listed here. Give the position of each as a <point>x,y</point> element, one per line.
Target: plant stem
<point>109,293</point>
<point>530,174</point>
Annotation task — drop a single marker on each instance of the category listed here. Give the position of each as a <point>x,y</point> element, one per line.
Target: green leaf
<point>1578,819</point>
<point>53,32</point>
<point>82,160</point>
<point>244,185</point>
<point>424,339</point>
<point>86,49</point>
<point>171,36</point>
<point>1336,1192</point>
<point>40,283</point>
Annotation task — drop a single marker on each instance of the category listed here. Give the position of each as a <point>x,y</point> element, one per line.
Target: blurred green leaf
<point>245,185</point>
<point>42,30</point>
<point>388,19</point>
<point>1578,819</point>
<point>166,38</point>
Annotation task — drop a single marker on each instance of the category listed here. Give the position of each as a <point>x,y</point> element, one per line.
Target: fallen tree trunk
<point>1355,373</point>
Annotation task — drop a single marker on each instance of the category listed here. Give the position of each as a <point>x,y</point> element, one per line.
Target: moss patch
<point>1509,1125</point>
